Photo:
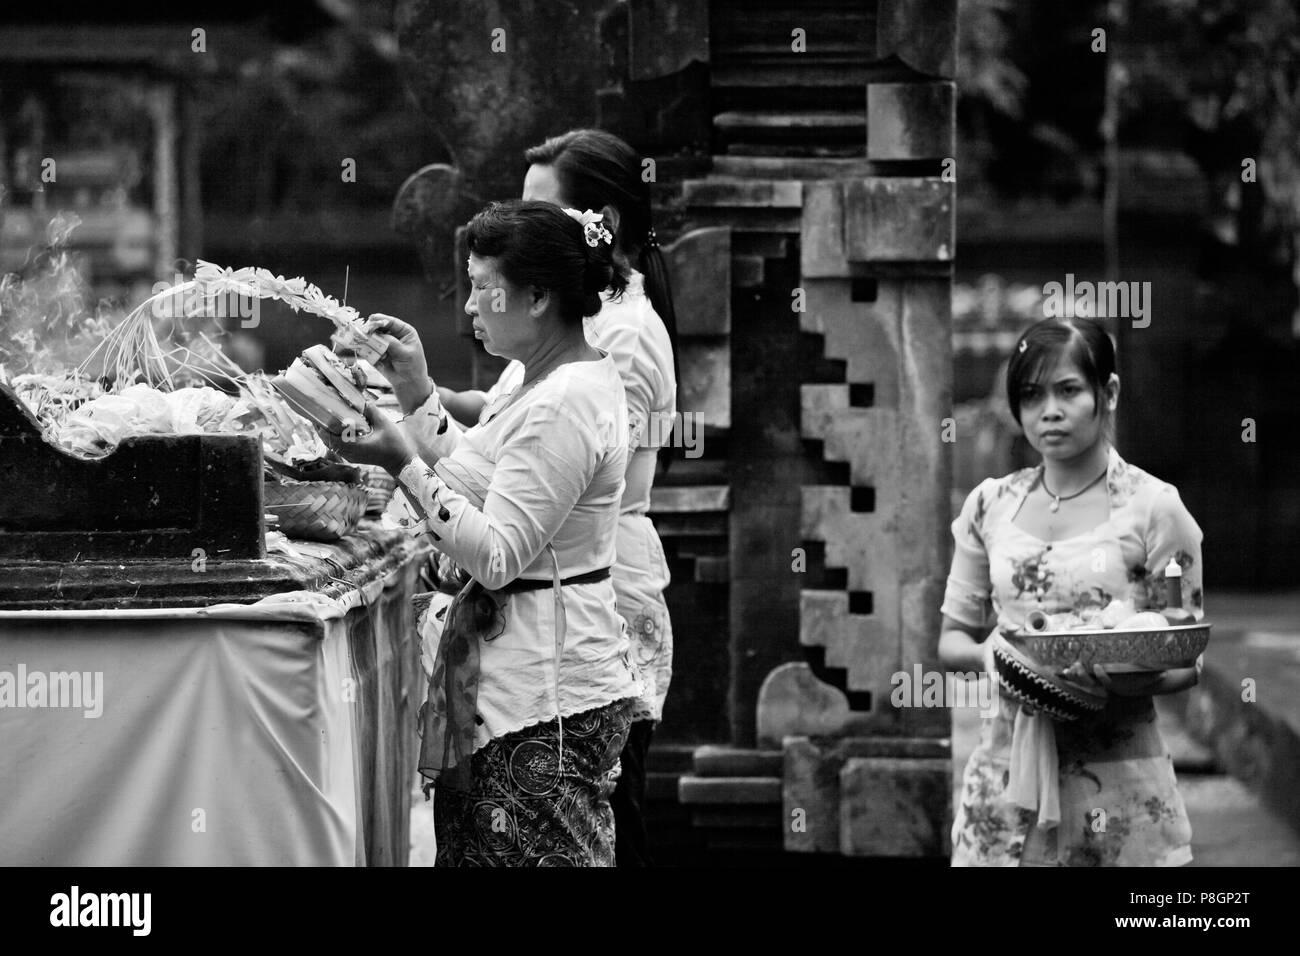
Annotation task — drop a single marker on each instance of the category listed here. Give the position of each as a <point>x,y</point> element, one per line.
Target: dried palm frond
<point>297,293</point>
<point>131,352</point>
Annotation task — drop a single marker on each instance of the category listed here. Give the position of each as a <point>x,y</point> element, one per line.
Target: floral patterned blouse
<point>1119,804</point>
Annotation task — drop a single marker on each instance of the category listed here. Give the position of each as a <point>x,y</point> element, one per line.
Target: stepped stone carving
<point>827,175</point>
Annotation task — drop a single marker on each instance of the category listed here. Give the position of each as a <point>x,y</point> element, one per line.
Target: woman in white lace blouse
<point>534,685</point>
<point>593,169</point>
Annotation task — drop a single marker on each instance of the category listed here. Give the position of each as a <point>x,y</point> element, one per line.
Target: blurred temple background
<point>1166,150</point>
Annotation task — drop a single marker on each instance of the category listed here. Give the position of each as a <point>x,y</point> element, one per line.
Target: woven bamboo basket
<point>380,486</point>
<point>316,510</point>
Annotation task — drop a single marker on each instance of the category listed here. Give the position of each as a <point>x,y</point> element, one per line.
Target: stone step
<point>661,787</point>
<point>739,818</point>
<point>789,99</point>
<point>743,21</point>
<point>690,526</point>
<point>693,548</point>
<point>832,72</point>
<point>765,50</point>
<point>785,68</point>
<point>686,500</point>
<point>722,192</point>
<point>803,123</point>
<point>713,570</point>
<point>775,167</point>
<point>713,760</point>
<point>820,149</point>
<point>729,791</point>
<point>693,471</point>
<point>670,758</point>
<point>742,219</point>
<point>793,74</point>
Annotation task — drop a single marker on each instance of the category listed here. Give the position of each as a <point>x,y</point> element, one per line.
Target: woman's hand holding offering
<point>403,364</point>
<point>386,445</point>
<point>1139,684</point>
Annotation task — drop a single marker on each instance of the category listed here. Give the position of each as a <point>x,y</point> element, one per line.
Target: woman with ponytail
<point>591,169</point>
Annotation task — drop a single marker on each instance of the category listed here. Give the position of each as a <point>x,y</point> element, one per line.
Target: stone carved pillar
<point>861,775</point>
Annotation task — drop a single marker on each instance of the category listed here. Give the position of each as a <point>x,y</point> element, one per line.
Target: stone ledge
<point>712,760</point>
<point>729,791</point>
<point>895,807</point>
<point>1257,741</point>
<point>829,813</point>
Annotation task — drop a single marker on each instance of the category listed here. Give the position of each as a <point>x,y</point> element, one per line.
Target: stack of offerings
<point>140,478</point>
<point>318,386</point>
<point>380,485</point>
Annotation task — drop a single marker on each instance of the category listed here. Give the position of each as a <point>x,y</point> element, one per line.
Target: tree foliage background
<point>1218,80</point>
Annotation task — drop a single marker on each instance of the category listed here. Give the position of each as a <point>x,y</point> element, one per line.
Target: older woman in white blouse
<point>534,688</point>
<point>593,169</point>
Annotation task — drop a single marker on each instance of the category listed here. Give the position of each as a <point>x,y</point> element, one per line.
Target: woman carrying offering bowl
<point>1084,533</point>
<point>533,687</point>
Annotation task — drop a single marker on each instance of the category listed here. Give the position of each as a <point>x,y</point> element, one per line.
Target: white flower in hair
<point>592,230</point>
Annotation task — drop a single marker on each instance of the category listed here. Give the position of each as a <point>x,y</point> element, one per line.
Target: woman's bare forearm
<point>959,651</point>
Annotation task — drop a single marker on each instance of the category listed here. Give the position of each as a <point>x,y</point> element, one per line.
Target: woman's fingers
<point>332,441</point>
<point>392,326</point>
<point>1076,673</point>
<point>393,348</point>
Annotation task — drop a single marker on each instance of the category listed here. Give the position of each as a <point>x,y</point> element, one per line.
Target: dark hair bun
<point>538,244</point>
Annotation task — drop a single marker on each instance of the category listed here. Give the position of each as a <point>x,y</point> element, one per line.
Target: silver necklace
<point>1057,499</point>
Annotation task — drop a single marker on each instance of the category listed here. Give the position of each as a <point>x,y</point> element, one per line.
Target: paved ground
<point>1234,828</point>
<point>1230,826</point>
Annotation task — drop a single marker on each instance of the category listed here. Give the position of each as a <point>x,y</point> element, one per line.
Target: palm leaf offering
<point>144,377</point>
<point>299,294</point>
<point>132,351</point>
<point>52,397</point>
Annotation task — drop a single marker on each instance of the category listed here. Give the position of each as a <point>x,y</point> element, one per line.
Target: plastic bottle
<point>1174,612</point>
<point>1036,621</point>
